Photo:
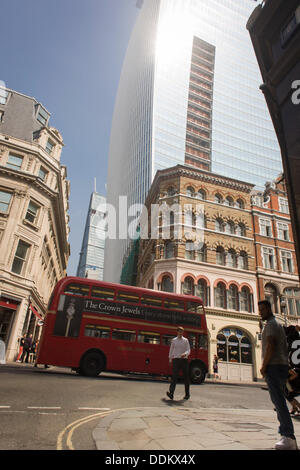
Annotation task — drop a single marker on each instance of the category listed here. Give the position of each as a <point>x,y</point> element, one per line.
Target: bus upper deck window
<point>103,293</point>
<point>128,297</point>
<point>77,289</point>
<point>149,300</point>
<point>174,304</point>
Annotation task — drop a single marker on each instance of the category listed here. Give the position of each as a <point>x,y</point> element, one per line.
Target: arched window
<point>172,217</point>
<point>190,191</point>
<point>169,250</point>
<point>233,345</point>
<point>201,253</point>
<point>220,295</point>
<point>245,299</point>
<point>233,297</point>
<point>239,204</point>
<point>202,291</point>
<point>187,286</point>
<point>221,347</point>
<point>200,220</point>
<point>171,191</point>
<point>241,230</point>
<point>272,296</point>
<point>218,198</point>
<point>233,349</point>
<point>188,218</point>
<point>219,225</point>
<point>201,195</point>
<point>229,201</point>
<point>189,250</point>
<point>231,259</point>
<point>243,260</point>
<point>220,256</point>
<point>292,295</point>
<point>167,284</point>
<point>229,227</point>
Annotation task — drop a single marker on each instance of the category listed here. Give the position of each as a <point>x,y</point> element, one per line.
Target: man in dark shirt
<point>275,371</point>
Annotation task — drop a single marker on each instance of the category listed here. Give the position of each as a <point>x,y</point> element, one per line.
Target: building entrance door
<point>6,321</point>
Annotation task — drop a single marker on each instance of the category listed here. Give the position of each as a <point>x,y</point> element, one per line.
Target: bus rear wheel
<point>197,373</point>
<point>91,364</point>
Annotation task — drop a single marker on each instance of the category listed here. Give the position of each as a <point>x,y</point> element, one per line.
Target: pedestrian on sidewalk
<point>293,390</point>
<point>26,348</point>
<point>293,382</point>
<point>275,371</point>
<point>178,356</point>
<point>21,346</point>
<point>215,367</point>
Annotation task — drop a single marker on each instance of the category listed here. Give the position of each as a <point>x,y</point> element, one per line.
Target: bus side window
<point>174,304</point>
<point>202,341</point>
<point>148,337</point>
<point>103,293</point>
<point>97,331</point>
<point>124,335</point>
<point>128,297</point>
<point>193,340</point>
<point>166,339</point>
<point>77,289</point>
<point>194,307</point>
<point>149,300</point>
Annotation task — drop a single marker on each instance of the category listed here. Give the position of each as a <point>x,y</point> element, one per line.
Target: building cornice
<point>206,176</point>
<point>232,314</point>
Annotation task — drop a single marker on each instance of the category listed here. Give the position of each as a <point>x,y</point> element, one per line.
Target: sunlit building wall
<point>188,94</point>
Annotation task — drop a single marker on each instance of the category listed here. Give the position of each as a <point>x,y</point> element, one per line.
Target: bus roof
<point>141,290</point>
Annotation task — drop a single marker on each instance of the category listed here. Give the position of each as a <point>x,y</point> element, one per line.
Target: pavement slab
<point>183,428</point>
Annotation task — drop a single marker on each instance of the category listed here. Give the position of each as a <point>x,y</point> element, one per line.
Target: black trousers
<point>180,364</point>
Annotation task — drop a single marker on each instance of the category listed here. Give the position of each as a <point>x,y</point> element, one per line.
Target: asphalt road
<point>50,409</point>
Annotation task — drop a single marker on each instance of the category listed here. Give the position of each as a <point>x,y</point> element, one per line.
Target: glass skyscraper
<point>188,94</point>
<point>91,261</point>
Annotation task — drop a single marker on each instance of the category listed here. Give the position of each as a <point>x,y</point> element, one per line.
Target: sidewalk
<point>173,426</point>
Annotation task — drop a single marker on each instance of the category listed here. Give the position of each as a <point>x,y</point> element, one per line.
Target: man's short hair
<point>180,328</point>
<point>265,302</point>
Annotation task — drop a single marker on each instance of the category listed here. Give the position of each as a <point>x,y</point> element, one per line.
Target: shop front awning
<point>8,303</point>
<point>36,313</point>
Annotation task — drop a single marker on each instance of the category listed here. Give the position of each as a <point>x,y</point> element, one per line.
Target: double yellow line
<point>69,430</point>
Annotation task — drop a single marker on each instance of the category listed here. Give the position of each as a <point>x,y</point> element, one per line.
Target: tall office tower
<point>91,261</point>
<point>188,94</point>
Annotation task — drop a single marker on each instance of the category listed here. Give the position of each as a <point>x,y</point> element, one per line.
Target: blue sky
<point>68,55</point>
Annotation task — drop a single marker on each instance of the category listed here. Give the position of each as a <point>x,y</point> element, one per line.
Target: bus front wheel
<point>197,373</point>
<point>91,364</point>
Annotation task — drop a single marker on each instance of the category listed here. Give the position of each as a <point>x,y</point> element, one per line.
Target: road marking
<point>4,406</point>
<point>95,409</point>
<point>44,407</point>
<point>73,426</point>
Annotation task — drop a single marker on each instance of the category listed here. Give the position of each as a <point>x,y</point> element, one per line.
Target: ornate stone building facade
<point>34,195</point>
<point>204,245</point>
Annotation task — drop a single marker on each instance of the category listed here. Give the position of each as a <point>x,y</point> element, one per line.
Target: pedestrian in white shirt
<point>178,356</point>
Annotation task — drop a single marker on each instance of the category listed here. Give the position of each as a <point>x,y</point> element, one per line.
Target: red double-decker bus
<point>94,326</point>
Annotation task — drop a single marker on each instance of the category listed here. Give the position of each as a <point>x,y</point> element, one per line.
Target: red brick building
<point>277,270</point>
